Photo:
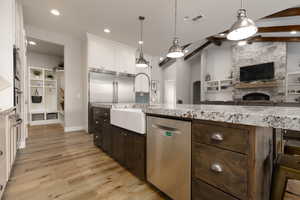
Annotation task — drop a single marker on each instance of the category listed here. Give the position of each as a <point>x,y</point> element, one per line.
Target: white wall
<point>183,81</point>
<point>293,57</point>
<point>6,50</point>
<point>218,64</point>
<point>219,61</point>
<point>74,112</point>
<point>35,59</point>
<point>180,72</point>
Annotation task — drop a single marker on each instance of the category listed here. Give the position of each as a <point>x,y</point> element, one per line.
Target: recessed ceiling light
<point>55,12</point>
<point>141,42</point>
<point>242,43</point>
<point>186,18</point>
<point>293,32</point>
<point>106,30</point>
<point>32,43</point>
<point>161,58</point>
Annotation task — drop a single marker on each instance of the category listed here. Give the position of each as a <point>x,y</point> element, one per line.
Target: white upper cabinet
<point>109,55</point>
<point>125,59</point>
<point>101,53</point>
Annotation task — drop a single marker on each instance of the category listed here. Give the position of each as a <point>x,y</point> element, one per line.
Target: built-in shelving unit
<point>293,87</point>
<point>43,96</point>
<point>215,86</point>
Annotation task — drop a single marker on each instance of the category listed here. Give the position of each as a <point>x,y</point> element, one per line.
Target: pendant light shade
<point>141,62</point>
<point>175,51</point>
<point>243,28</point>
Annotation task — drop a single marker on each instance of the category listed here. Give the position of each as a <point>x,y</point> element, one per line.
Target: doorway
<point>197,92</point>
<point>170,92</point>
<point>45,83</point>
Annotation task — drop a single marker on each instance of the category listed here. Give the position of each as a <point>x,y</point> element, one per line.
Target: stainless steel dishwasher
<point>169,156</point>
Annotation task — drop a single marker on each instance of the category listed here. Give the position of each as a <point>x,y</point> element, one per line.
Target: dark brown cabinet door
<point>107,138</point>
<point>203,191</point>
<point>98,138</point>
<point>135,154</point>
<point>91,121</point>
<point>118,152</point>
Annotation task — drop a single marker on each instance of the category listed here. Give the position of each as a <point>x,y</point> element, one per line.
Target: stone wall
<point>258,53</point>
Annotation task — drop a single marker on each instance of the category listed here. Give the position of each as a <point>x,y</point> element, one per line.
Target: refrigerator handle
<point>117,92</point>
<point>114,92</point>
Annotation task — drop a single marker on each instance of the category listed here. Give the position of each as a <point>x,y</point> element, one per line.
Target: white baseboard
<point>44,122</point>
<point>74,128</point>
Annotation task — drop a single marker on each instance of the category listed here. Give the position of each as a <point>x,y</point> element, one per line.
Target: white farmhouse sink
<point>129,118</point>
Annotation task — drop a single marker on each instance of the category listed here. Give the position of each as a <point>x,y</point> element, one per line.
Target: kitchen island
<point>263,116</point>
<point>231,147</point>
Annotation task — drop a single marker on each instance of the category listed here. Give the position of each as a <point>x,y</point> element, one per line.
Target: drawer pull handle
<point>217,137</point>
<point>216,168</point>
<point>1,153</point>
<point>1,187</point>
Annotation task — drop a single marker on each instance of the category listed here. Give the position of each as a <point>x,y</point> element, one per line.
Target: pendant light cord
<point>141,33</point>
<point>175,25</point>
<point>242,4</point>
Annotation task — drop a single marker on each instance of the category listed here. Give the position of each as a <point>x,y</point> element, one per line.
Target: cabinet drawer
<point>98,122</point>
<point>221,168</point>
<point>233,139</point>
<point>203,191</point>
<point>101,113</point>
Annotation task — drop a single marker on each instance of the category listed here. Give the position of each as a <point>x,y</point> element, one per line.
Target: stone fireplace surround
<point>258,53</point>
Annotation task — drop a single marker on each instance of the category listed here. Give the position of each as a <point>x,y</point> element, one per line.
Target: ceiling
<point>121,16</point>
<point>45,47</point>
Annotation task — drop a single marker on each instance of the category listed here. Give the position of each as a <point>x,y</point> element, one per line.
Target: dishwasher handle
<point>166,128</point>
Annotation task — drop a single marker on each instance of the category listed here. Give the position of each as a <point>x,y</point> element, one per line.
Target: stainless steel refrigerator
<point>109,87</point>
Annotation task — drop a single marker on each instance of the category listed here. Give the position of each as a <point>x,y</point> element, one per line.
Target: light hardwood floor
<point>67,166</point>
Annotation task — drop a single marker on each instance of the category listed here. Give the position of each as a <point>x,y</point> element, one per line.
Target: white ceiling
<point>80,16</point>
<point>45,47</point>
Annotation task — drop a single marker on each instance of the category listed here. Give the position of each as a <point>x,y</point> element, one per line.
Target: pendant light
<point>175,50</point>
<point>141,62</point>
<point>243,28</point>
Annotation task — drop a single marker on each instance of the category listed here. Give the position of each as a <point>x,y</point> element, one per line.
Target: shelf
<point>269,84</point>
<point>37,111</point>
<point>294,84</point>
<point>50,87</point>
<point>293,93</point>
<point>294,73</point>
<point>36,86</point>
<point>34,79</point>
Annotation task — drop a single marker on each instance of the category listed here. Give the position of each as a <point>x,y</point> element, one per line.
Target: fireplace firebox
<point>256,96</point>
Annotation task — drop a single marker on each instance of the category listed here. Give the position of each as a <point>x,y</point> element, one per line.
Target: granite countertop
<point>264,116</point>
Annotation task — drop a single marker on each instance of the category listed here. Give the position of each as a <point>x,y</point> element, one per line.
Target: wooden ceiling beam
<point>275,39</point>
<point>273,29</point>
<point>290,12</point>
<point>199,49</point>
